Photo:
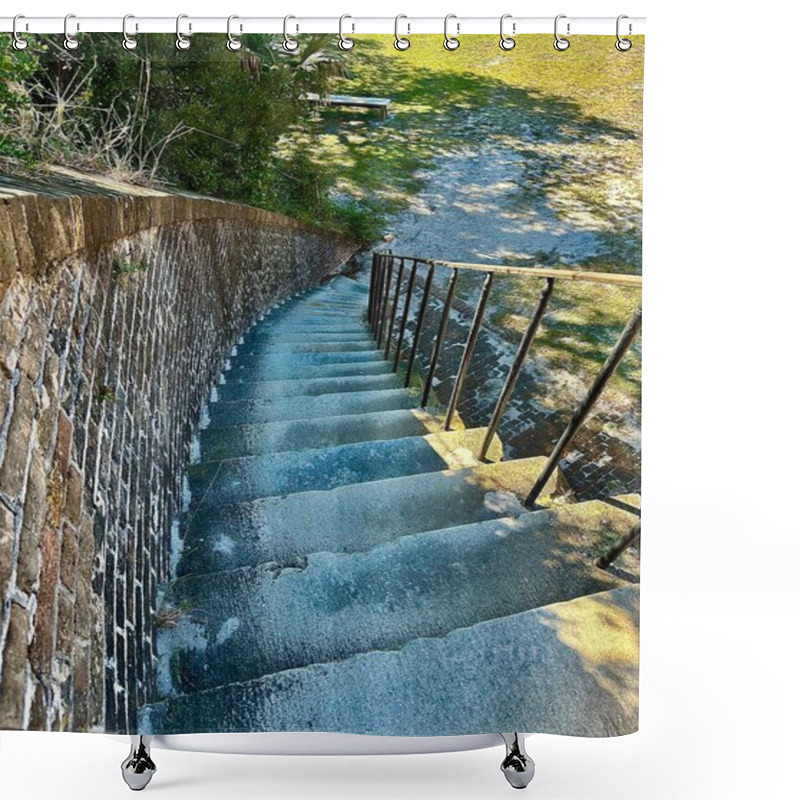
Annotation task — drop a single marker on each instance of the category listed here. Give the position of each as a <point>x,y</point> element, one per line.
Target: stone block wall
<point>118,307</point>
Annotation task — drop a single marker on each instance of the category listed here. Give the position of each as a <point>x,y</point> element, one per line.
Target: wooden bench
<point>381,103</point>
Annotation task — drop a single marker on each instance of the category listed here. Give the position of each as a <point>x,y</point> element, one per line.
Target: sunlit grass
<point>574,117</point>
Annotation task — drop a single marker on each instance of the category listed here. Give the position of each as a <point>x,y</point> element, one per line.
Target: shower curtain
<point>320,385</point>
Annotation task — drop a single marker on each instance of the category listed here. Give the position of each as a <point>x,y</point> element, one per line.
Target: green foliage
<point>105,394</point>
<point>204,120</point>
<point>123,267</point>
<point>16,67</point>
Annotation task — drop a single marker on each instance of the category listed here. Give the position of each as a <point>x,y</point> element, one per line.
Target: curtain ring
<point>560,43</point>
<point>19,42</point>
<point>288,43</point>
<point>128,42</point>
<point>70,42</point>
<point>344,42</point>
<point>450,42</point>
<point>233,44</point>
<point>623,45</point>
<point>400,42</point>
<point>506,42</point>
<point>181,42</point>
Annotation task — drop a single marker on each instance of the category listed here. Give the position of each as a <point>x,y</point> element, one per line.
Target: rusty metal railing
<point>388,273</point>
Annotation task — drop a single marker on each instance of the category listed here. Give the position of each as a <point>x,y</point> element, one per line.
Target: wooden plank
<point>372,102</point>
<point>348,100</point>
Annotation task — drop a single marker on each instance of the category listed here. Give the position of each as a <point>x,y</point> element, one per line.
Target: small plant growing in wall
<point>123,268</point>
<point>105,394</point>
<point>168,617</point>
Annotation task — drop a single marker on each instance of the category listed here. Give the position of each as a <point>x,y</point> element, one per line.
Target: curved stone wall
<point>118,307</point>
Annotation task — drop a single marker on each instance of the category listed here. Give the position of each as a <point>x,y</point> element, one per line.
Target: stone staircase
<point>349,566</point>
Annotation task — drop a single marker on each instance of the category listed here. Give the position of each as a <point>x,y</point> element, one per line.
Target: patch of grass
<point>581,326</point>
<point>575,120</point>
<point>575,117</point>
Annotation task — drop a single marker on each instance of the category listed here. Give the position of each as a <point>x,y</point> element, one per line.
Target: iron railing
<point>388,272</point>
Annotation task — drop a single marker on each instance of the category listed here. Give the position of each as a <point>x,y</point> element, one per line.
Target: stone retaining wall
<point>118,307</point>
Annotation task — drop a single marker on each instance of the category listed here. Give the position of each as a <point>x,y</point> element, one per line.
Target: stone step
<point>569,668</point>
<point>241,479</point>
<point>331,606</point>
<point>304,434</point>
<point>357,517</point>
<point>309,387</point>
<point>295,336</point>
<point>249,412</point>
<point>335,302</point>
<point>310,325</point>
<point>266,357</point>
<point>330,300</point>
<point>309,371</point>
<point>343,285</point>
<point>270,345</point>
<point>312,312</point>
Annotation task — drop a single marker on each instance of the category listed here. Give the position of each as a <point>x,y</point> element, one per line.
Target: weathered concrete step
<point>312,325</point>
<point>267,356</point>
<point>357,517</point>
<point>310,387</point>
<point>308,371</point>
<point>287,338</point>
<point>245,412</point>
<point>331,606</point>
<point>321,314</point>
<point>569,668</point>
<point>283,366</point>
<point>241,479</point>
<point>271,345</point>
<point>338,306</point>
<point>335,301</point>
<point>335,298</point>
<point>343,285</point>
<point>302,434</point>
<point>270,325</point>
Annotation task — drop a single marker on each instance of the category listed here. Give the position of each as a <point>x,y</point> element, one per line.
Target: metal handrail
<point>383,314</point>
<point>610,278</point>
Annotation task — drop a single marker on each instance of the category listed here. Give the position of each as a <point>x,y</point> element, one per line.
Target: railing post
<point>516,368</point>
<point>373,276</point>
<point>614,552</point>
<point>404,320</point>
<point>612,362</point>
<point>423,306</point>
<point>472,340</point>
<point>400,271</point>
<point>381,267</point>
<point>384,308</point>
<point>437,347</point>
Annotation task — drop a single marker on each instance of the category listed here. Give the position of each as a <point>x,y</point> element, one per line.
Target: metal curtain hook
<point>233,44</point>
<point>506,42</point>
<point>128,42</point>
<point>344,42</point>
<point>19,42</point>
<point>450,42</point>
<point>400,42</point>
<point>181,42</point>
<point>70,42</point>
<point>560,43</point>
<point>288,43</point>
<point>621,44</point>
